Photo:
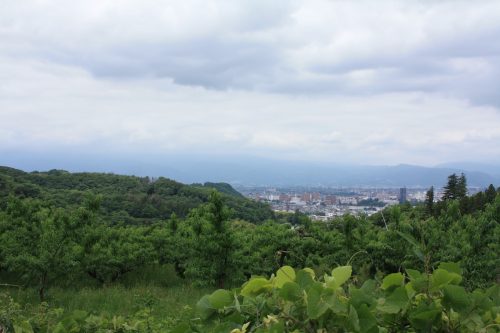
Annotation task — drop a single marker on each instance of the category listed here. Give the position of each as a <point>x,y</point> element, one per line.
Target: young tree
<point>213,244</point>
<point>170,241</point>
<point>111,252</point>
<point>38,242</point>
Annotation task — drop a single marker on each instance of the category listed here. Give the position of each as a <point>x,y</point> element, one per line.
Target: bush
<point>299,301</point>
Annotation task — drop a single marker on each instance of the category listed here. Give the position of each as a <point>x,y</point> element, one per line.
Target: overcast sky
<point>371,82</point>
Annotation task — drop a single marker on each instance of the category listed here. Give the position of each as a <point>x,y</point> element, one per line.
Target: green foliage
<point>212,243</point>
<point>298,301</point>
<point>224,188</point>
<point>43,318</point>
<point>262,249</point>
<point>211,249</point>
<point>128,230</point>
<point>109,253</point>
<point>429,201</point>
<point>456,188</point>
<point>371,202</point>
<point>69,235</point>
<point>39,243</point>
<point>171,243</point>
<point>125,199</point>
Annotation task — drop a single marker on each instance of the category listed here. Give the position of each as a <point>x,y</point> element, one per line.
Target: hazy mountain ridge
<point>491,169</point>
<point>246,170</point>
<point>363,176</point>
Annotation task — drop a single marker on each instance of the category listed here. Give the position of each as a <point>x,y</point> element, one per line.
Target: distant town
<point>322,204</point>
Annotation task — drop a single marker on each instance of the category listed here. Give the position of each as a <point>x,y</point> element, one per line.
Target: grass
<point>117,299</point>
<point>155,285</point>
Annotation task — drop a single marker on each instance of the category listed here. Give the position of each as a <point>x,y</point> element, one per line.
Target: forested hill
<point>125,199</point>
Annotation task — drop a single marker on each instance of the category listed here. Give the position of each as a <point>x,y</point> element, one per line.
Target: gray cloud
<point>288,47</point>
<point>367,82</point>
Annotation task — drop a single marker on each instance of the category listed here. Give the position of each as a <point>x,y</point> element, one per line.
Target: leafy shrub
<point>299,301</point>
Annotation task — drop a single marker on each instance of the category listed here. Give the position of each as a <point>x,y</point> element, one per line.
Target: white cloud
<point>358,81</point>
<point>52,106</point>
<point>300,46</point>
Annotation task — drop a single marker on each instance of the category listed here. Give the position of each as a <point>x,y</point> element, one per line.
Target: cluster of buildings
<point>326,203</point>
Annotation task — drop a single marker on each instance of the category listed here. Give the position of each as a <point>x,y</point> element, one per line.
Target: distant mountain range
<point>304,174</point>
<point>491,169</point>
<point>244,170</point>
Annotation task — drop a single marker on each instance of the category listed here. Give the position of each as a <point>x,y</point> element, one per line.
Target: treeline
<point>125,199</point>
<point>43,245</point>
<point>456,189</point>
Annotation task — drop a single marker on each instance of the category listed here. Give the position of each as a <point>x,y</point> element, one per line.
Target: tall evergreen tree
<point>429,201</point>
<point>461,191</point>
<point>450,190</point>
<point>490,193</point>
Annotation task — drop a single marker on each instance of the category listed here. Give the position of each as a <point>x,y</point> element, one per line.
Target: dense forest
<point>125,199</point>
<point>430,267</point>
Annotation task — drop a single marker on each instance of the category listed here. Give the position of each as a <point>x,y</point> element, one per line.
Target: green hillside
<point>125,199</point>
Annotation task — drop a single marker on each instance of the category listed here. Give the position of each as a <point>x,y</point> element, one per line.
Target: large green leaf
<point>451,267</point>
<point>395,302</point>
<point>455,297</point>
<point>481,300</point>
<point>220,298</point>
<point>256,286</point>
<point>304,279</point>
<point>204,307</point>
<point>418,281</point>
<point>367,321</point>
<point>424,316</point>
<point>334,302</point>
<point>413,274</point>
<point>340,275</point>
<point>360,297</point>
<point>310,271</point>
<point>285,274</point>
<point>392,280</point>
<point>441,277</point>
<point>291,291</point>
<point>353,319</point>
<point>316,304</point>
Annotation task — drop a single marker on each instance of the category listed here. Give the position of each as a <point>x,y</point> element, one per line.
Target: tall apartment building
<point>402,195</point>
